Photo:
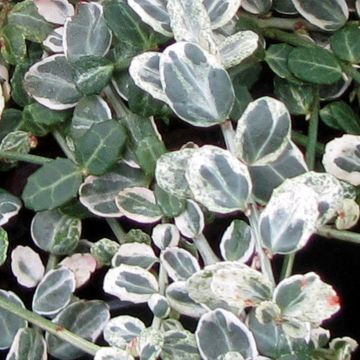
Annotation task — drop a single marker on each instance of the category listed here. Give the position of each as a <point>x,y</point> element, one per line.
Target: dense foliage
<point>109,82</point>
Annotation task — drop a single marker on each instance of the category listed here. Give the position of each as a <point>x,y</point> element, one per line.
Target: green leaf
<point>54,42</point>
<point>198,88</point>
<point>99,149</point>
<point>18,93</point>
<point>4,243</point>
<point>91,74</point>
<point>55,232</point>
<point>298,99</point>
<point>284,7</point>
<point>242,99</point>
<point>86,33</point>
<point>150,343</point>
<point>14,49</point>
<point>148,151</point>
<point>54,291</point>
<point>84,318</point>
<point>130,283</point>
<point>219,332</point>
<point>98,193</point>
<point>112,353</point>
<point>237,243</point>
<point>52,185</point>
<point>340,116</point>
<point>218,180</point>
<point>191,221</point>
<point>50,82</point>
<point>55,12</point>
<point>103,251</point>
<point>10,205</point>
<point>328,15</point>
<point>28,344</point>
<point>315,65</point>
<point>40,120</point>
<point>138,204</point>
<point>344,43</point>
<point>9,322</point>
<point>10,121</point>
<point>17,141</point>
<point>263,131</point>
<point>179,344</point>
<point>170,205</point>
<point>25,16</point>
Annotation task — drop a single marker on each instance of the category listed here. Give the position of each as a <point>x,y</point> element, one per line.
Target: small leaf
<point>17,141</point>
<point>165,235</point>
<point>88,111</point>
<point>135,254</point>
<point>263,131</point>
<point>55,12</point>
<point>170,205</point>
<point>219,332</point>
<point>218,180</point>
<point>103,251</point>
<point>9,322</point>
<point>153,13</point>
<point>315,65</point>
<point>237,243</point>
<point>220,11</point>
<point>121,330</point>
<point>328,15</point>
<point>179,299</point>
<point>84,318</point>
<point>179,263</point>
<point>144,69</point>
<point>340,116</point>
<point>50,82</point>
<point>27,266</point>
<point>130,283</point>
<point>86,33</point>
<point>184,69</point>
<point>289,218</point>
<point>10,206</point>
<point>98,193</point>
<point>138,204</point>
<point>55,232</point>
<point>4,243</point>
<point>112,353</point>
<point>349,215</point>
<point>342,158</point>
<point>159,306</point>
<point>54,42</point>
<point>28,344</point>
<point>306,298</point>
<point>191,221</point>
<point>99,149</point>
<point>238,47</point>
<point>170,172</point>
<point>54,291</point>
<point>81,265</point>
<point>150,343</point>
<point>179,345</point>
<point>257,6</point>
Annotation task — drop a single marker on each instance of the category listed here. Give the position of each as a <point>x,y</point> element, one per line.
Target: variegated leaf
<point>221,11</point>
<point>197,86</point>
<point>112,353</point>
<point>130,283</point>
<point>145,71</point>
<point>191,221</point>
<point>138,204</point>
<point>165,235</point>
<point>218,180</point>
<point>263,131</point>
<point>54,42</point>
<point>10,205</point>
<point>56,11</point>
<point>220,332</point>
<point>153,13</point>
<point>238,47</point>
<point>159,306</point>
<point>150,343</point>
<point>180,345</point>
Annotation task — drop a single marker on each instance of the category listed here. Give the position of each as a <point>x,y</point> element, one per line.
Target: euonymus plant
<point>109,81</point>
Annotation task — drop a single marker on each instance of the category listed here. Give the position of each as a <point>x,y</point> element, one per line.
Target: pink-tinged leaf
<point>82,265</point>
<point>27,266</point>
<point>54,11</point>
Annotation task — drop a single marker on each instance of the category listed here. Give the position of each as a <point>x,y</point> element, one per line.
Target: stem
<point>116,229</point>
<point>64,147</point>
<point>116,102</point>
<point>280,23</point>
<point>229,135</point>
<point>288,266</point>
<point>330,233</point>
<point>49,326</point>
<point>289,38</point>
<point>313,134</point>
<point>34,159</point>
<point>52,262</point>
<point>302,139</point>
<point>205,250</point>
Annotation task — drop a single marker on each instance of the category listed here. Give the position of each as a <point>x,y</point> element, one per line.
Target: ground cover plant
<point>159,120</point>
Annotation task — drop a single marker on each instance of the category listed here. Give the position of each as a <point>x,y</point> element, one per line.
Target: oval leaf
<point>221,11</point>
<point>159,306</point>
<point>191,221</point>
<point>218,180</point>
<point>198,88</point>
<point>10,205</point>
<point>165,235</point>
